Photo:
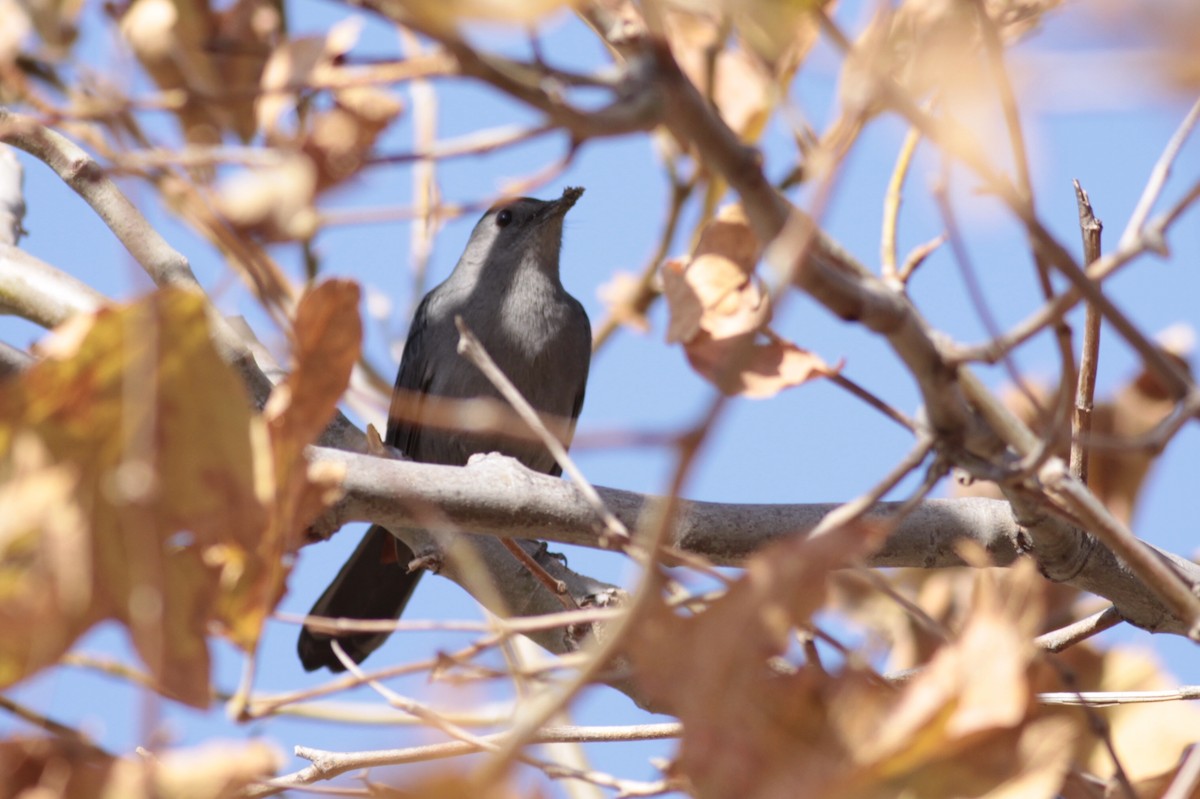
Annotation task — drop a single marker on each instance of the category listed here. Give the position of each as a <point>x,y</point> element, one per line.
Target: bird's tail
<point>373,584</point>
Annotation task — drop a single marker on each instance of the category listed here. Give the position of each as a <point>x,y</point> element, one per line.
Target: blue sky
<point>812,444</point>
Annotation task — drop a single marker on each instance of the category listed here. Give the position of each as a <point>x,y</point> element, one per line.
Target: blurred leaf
<point>170,40</point>
<point>13,32</point>
<point>744,723</point>
<point>448,14</point>
<point>327,337</point>
<point>340,139</point>
<point>243,39</point>
<point>298,64</point>
<point>936,48</point>
<point>276,203</point>
<point>1149,738</point>
<point>135,401</point>
<point>746,75</point>
<point>965,726</point>
<point>318,148</point>
<point>48,768</point>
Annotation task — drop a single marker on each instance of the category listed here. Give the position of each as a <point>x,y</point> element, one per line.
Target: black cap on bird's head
<point>523,229</point>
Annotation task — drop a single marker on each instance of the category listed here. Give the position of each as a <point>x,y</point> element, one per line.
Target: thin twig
<point>1113,698</point>
<point>1090,228</point>
<point>1076,632</point>
<point>327,765</point>
<point>891,205</point>
<point>1158,178</point>
<point>917,256</point>
<point>68,734</point>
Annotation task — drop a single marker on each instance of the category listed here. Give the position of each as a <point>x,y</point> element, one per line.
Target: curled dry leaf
<point>966,726</point>
<point>137,427</point>
<point>719,311</point>
<point>50,768</point>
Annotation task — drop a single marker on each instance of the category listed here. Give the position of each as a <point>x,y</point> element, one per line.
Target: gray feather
<point>507,288</point>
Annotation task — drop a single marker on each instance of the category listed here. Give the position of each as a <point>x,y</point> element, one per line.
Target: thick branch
<point>495,497</point>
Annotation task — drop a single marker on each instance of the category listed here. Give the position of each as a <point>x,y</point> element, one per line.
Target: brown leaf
<point>276,203</point>
<point>297,64</point>
<point>170,39</point>
<point>718,309</point>
<point>340,139</point>
<point>1117,469</point>
<point>746,75</point>
<point>161,437</point>
<point>743,722</point>
<point>49,768</point>
<point>966,726</point>
<point>716,290</point>
<point>244,36</point>
<point>327,336</point>
<point>935,47</point>
<point>752,368</point>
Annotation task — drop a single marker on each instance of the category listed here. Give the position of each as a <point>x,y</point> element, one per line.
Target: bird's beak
<point>564,203</point>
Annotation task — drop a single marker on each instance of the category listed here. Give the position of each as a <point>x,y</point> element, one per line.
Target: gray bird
<point>507,289</point>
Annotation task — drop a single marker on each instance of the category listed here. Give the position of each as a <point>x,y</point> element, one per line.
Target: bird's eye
<point>503,218</point>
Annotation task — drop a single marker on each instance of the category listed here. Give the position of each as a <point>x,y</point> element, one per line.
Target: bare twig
<point>1081,428</point>
<point>1065,637</point>
<point>891,205</point>
<point>1158,179</point>
<point>68,734</point>
<point>327,765</point>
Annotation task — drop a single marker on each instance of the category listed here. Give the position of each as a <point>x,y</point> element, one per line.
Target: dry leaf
<point>448,14</point>
<point>935,47</point>
<point>744,722</point>
<point>166,451</point>
<point>747,75</point>
<point>170,39</point>
<point>244,36</point>
<point>966,726</point>
<point>13,32</point>
<point>275,203</point>
<point>719,312</point>
<point>297,64</point>
<point>340,140</point>
<point>48,768</point>
<point>327,337</point>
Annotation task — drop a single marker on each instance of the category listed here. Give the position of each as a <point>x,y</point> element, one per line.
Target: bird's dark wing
<point>412,383</point>
<point>582,358</point>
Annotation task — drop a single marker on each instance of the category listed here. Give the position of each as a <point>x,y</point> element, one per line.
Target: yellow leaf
<point>166,448</point>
